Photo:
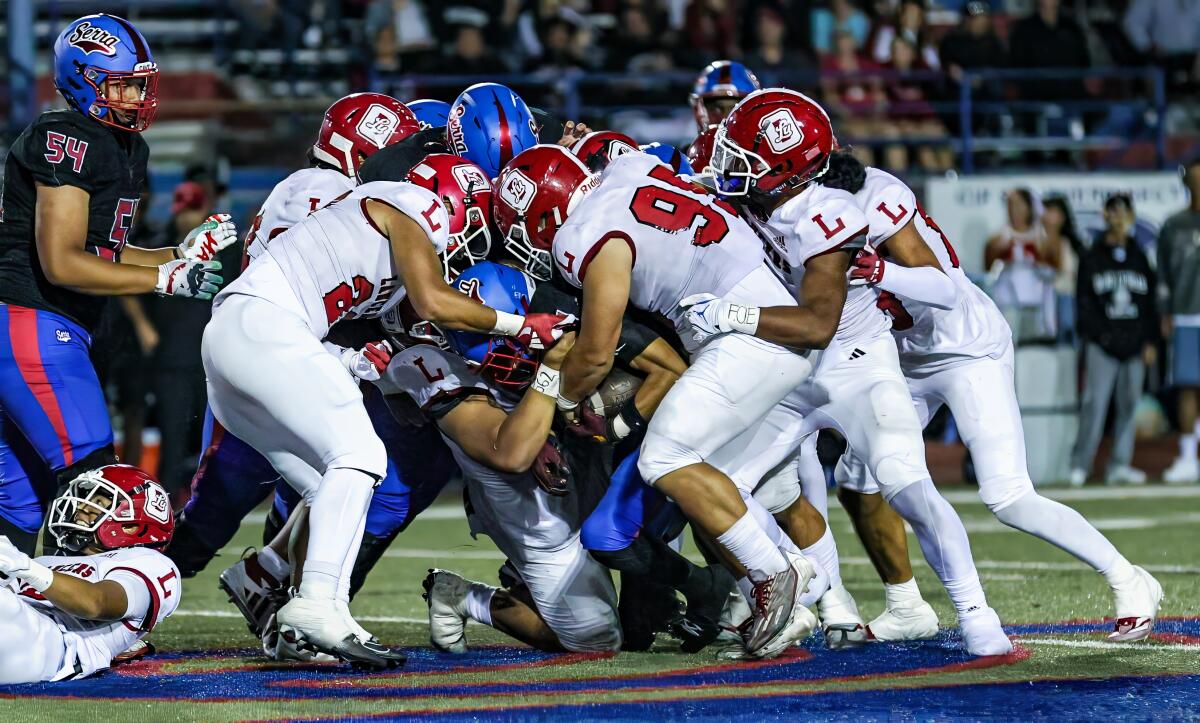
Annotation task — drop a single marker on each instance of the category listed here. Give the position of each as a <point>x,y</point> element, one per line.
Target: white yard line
<point>236,614</point>
<point>1102,645</point>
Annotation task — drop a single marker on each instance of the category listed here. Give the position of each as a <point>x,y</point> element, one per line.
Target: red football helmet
<point>598,148</point>
<point>535,193</point>
<point>111,507</point>
<point>699,154</point>
<point>467,194</point>
<point>360,124</point>
<point>775,140</point>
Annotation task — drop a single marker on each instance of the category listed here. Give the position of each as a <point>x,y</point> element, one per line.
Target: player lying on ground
<point>68,617</point>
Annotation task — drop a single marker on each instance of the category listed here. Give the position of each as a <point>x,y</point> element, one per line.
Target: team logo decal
<point>91,39</point>
<point>454,129</point>
<point>158,505</point>
<point>470,287</point>
<point>781,130</point>
<point>518,191</point>
<point>619,148</point>
<point>378,124</point>
<point>470,178</point>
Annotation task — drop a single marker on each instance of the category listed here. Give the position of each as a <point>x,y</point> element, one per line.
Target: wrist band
<point>566,404</point>
<point>508,324</point>
<point>546,381</point>
<point>627,421</point>
<point>38,576</point>
<point>742,319</point>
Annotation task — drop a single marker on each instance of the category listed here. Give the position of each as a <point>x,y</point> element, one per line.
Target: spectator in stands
<point>400,32</point>
<point>469,54</point>
<point>842,16</point>
<point>972,44</point>
<point>1179,270</point>
<point>1061,248</point>
<point>772,52</point>
<point>908,22</point>
<point>563,47</point>
<point>1169,32</point>
<point>637,45</point>
<point>1118,322</point>
<point>711,30</point>
<point>910,113</point>
<point>1020,279</point>
<point>856,100</point>
<point>1048,39</point>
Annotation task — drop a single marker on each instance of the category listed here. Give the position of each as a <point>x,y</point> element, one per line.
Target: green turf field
<point>1027,581</point>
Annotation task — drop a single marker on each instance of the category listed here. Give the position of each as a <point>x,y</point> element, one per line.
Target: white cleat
<point>446,595</point>
<point>736,613</point>
<point>909,621</point>
<point>983,634</point>
<point>840,620</point>
<point>250,589</point>
<point>319,626</point>
<point>802,621</point>
<point>1137,607</point>
<point>277,648</point>
<point>1182,472</point>
<point>359,631</point>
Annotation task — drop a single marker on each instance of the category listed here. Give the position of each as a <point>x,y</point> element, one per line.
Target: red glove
<point>542,330</point>
<point>370,362</point>
<point>550,469</point>
<point>586,422</point>
<point>868,266</point>
<point>379,353</point>
<point>894,308</point>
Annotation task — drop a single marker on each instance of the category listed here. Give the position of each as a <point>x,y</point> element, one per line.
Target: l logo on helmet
<point>518,191</point>
<point>378,124</point>
<point>618,148</point>
<point>470,178</point>
<point>781,130</point>
<point>91,39</point>
<point>158,505</point>
<point>470,287</point>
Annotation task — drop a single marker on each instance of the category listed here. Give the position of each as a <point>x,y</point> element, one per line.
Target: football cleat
<point>645,608</point>
<point>250,589</point>
<point>779,618</point>
<point>318,626</point>
<point>701,623</point>
<point>983,634</point>
<point>909,621</point>
<point>1182,471</point>
<point>736,613</point>
<point>446,595</point>
<point>140,649</point>
<point>840,620</point>
<point>1137,607</point>
<point>277,648</point>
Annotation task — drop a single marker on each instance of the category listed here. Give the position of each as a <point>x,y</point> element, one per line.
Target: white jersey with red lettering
<point>291,201</point>
<point>684,240</point>
<point>818,221</point>
<point>152,586</point>
<point>974,328</point>
<point>537,531</point>
<point>335,263</point>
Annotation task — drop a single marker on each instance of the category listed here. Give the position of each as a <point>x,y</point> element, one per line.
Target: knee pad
<point>781,488</point>
<point>897,453</point>
<point>851,473</point>
<point>661,455</point>
<point>1000,492</point>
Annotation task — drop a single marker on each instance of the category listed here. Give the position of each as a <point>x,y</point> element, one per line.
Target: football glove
<point>15,563</point>
<point>368,363</point>
<point>868,268</point>
<point>551,470</point>
<point>189,279</point>
<point>584,421</point>
<point>540,331</point>
<point>205,241</point>
<point>709,316</point>
<point>891,305</point>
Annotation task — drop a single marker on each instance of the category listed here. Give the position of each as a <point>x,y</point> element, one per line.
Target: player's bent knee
<point>999,494</point>
<point>661,456</point>
<point>599,635</point>
<point>370,459</point>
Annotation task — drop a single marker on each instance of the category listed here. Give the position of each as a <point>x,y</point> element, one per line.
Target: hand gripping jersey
<point>64,148</point>
<point>151,582</point>
<point>974,328</point>
<point>335,263</point>
<point>684,241</point>
<point>818,221</point>
<point>291,201</point>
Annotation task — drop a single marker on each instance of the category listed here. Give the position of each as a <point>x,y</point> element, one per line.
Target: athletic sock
<point>338,507</point>
<point>479,602</point>
<point>1065,528</point>
<point>1188,444</point>
<point>944,541</point>
<point>824,552</point>
<point>274,565</point>
<point>343,589</point>
<point>901,594</point>
<point>751,546</point>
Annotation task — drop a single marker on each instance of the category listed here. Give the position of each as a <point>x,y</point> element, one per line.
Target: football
<point>617,388</point>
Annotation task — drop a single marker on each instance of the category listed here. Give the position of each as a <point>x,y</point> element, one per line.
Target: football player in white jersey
<point>63,618</point>
<point>958,351</point>
<point>640,235</point>
<point>273,384</point>
<point>768,152</point>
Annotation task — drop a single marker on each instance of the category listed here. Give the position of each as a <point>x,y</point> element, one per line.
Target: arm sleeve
<point>924,284</point>
<point>137,594</point>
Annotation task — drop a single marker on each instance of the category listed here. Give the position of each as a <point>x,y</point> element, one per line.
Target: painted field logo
<point>91,39</point>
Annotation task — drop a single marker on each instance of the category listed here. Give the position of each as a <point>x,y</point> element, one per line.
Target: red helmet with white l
<point>775,140</point>
<point>699,154</point>
<point>358,125</point>
<point>112,507</point>
<point>467,194</point>
<point>535,193</point>
<point>599,148</point>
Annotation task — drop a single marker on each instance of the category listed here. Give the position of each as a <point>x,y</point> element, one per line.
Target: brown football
<point>617,388</point>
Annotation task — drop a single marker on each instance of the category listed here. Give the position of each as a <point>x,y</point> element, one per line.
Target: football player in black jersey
<point>72,184</point>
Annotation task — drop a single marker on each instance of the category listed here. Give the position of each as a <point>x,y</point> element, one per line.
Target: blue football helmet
<point>488,125</point>
<point>718,88</point>
<point>430,113</point>
<point>100,63</point>
<point>671,156</point>
<point>498,358</point>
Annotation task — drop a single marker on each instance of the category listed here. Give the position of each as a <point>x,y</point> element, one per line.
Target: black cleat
<point>701,625</point>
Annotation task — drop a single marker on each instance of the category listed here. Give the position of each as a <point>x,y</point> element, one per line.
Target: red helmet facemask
<point>358,125</point>
<point>112,507</point>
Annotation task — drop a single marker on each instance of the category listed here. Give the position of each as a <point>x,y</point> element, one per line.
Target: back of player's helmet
<point>112,507</point>
<point>599,148</point>
<point>718,88</point>
<point>430,113</point>
<point>357,126</point>
<point>104,69</point>
<point>467,194</point>
<point>489,125</point>
<point>498,358</point>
